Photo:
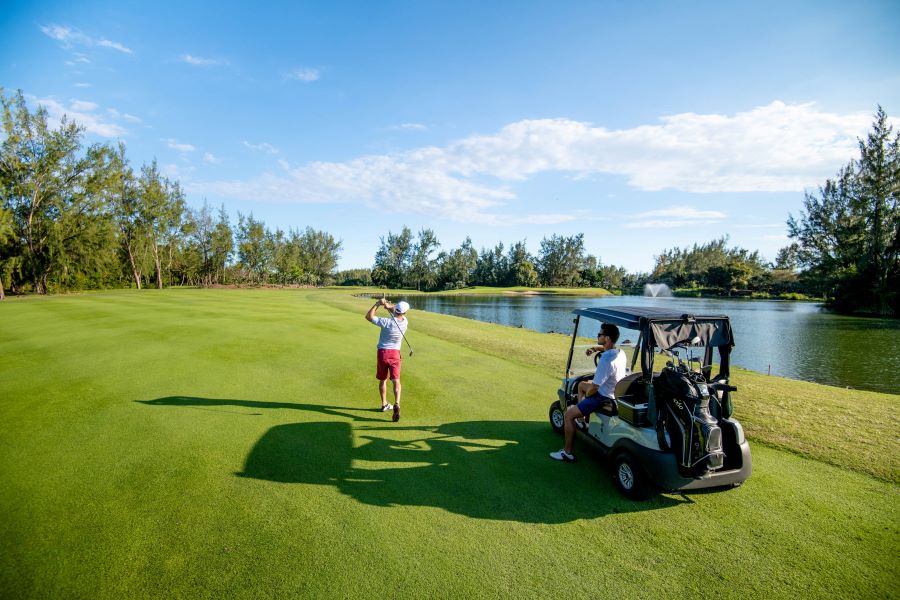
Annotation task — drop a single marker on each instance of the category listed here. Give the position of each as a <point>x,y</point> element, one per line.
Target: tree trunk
<point>134,271</point>
<point>159,283</point>
<point>40,283</point>
<point>2,296</point>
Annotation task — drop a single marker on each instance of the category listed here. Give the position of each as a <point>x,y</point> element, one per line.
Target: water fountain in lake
<point>657,290</point>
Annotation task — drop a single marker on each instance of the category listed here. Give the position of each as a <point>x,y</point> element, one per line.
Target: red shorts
<point>388,362</point>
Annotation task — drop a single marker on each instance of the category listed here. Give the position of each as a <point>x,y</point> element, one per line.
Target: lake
<point>800,340</point>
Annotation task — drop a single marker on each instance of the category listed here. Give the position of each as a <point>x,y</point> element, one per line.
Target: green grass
<point>224,443</point>
<point>849,428</point>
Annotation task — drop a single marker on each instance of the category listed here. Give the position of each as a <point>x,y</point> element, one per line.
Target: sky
<point>643,125</point>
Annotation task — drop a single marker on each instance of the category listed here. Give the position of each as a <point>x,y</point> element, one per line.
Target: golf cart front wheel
<point>630,478</point>
<point>557,418</point>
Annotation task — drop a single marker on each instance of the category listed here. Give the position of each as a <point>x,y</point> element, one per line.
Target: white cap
<point>401,307</point>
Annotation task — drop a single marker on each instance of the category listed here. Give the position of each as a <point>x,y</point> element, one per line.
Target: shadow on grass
<point>194,402</point>
<point>482,469</point>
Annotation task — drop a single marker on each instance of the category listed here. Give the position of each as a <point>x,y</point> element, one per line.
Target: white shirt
<point>610,369</point>
<point>392,331</point>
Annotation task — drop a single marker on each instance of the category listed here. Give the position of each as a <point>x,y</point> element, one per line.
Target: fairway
<point>226,443</point>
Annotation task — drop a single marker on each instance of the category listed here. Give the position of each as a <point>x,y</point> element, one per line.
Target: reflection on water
<point>799,340</point>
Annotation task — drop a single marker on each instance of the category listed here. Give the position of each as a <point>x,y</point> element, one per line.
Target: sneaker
<point>563,456</point>
<point>386,407</point>
<point>396,416</point>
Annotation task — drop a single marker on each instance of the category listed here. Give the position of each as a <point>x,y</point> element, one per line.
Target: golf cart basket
<point>686,403</point>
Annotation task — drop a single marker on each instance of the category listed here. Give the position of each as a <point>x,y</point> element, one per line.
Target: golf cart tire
<point>557,418</point>
<point>629,477</point>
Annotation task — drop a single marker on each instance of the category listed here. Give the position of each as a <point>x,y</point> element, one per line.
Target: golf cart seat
<point>631,397</point>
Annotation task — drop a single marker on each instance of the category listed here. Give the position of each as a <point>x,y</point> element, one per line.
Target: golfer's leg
<point>572,413</point>
<point>397,389</point>
<point>382,390</point>
<point>582,392</point>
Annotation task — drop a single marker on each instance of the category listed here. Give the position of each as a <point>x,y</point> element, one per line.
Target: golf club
<point>398,327</point>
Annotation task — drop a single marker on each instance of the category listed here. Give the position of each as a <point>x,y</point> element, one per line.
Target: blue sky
<point>643,125</point>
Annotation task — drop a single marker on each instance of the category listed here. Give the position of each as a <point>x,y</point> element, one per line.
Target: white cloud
<point>62,34</point>
<point>181,147</point>
<point>81,84</point>
<point>261,147</point>
<point>83,114</point>
<point>113,45</point>
<point>198,61</point>
<point>81,105</point>
<point>778,147</point>
<point>209,157</point>
<point>175,172</point>
<point>123,116</point>
<point>674,216</point>
<point>79,59</point>
<point>410,127</point>
<point>381,180</point>
<point>304,74</point>
<point>70,36</point>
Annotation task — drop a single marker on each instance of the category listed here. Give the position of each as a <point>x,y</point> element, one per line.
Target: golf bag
<point>694,432</point>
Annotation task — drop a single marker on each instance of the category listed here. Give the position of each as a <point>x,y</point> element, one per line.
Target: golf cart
<point>672,428</point>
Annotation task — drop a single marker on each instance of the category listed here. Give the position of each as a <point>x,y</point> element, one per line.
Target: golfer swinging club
<point>392,333</point>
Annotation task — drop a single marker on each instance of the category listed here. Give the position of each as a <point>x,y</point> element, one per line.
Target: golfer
<point>392,331</point>
<point>591,394</point>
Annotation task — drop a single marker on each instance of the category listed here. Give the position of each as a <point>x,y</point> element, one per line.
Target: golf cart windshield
<point>661,329</point>
<point>586,337</point>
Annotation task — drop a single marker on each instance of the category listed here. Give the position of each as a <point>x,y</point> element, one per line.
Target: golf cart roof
<point>669,326</point>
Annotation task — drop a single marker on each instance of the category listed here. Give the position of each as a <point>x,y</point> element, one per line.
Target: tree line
<point>75,218</point>
<point>415,262</point>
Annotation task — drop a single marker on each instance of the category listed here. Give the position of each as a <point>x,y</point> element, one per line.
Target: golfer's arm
<point>588,388</point>
<point>370,316</point>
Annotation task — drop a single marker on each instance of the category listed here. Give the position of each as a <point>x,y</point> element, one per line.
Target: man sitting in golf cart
<point>601,389</point>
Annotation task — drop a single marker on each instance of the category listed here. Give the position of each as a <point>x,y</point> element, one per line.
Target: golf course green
<point>226,443</point>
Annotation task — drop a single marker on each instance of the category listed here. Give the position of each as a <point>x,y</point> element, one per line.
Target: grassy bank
<point>224,443</point>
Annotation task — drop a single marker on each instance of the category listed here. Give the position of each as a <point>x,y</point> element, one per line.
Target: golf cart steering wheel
<point>597,357</point>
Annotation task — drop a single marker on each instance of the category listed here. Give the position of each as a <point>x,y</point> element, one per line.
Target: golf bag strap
<point>661,429</point>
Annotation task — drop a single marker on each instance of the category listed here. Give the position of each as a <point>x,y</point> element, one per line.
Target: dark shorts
<point>388,364</point>
<point>590,404</point>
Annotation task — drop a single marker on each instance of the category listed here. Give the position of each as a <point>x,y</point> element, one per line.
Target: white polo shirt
<point>610,369</point>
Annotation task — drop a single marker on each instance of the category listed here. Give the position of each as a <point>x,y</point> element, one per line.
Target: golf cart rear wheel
<point>557,418</point>
<point>630,477</point>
